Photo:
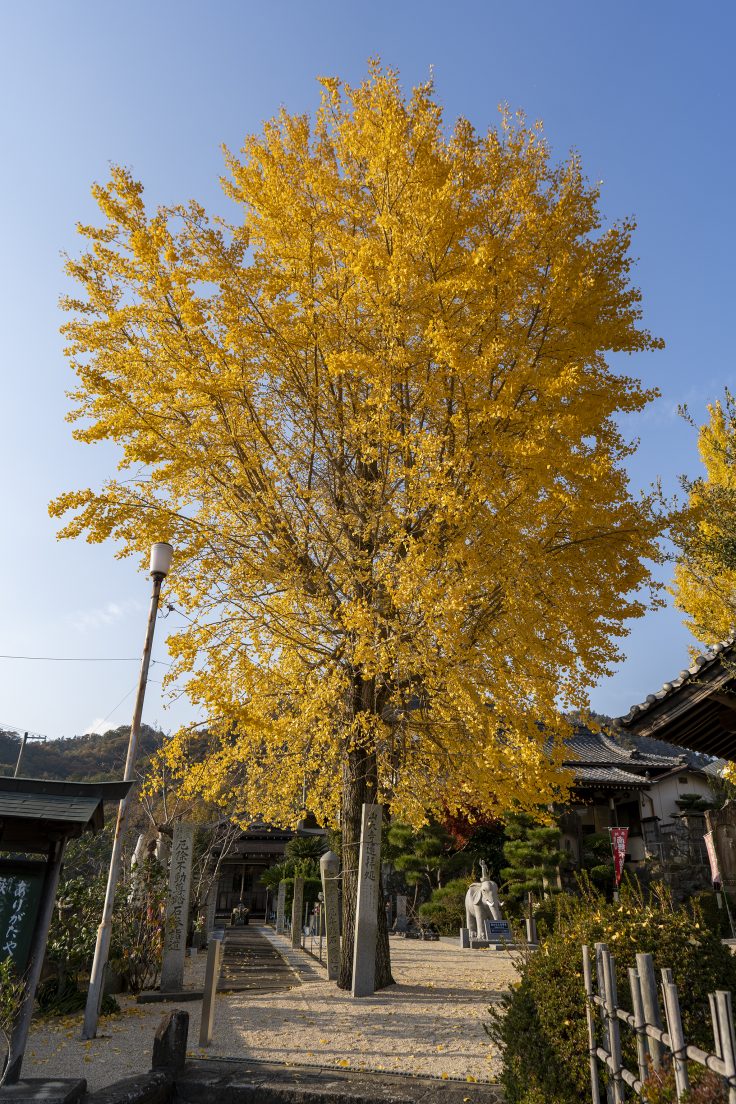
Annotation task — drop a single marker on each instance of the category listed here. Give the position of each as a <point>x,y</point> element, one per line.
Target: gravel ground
<point>429,1023</point>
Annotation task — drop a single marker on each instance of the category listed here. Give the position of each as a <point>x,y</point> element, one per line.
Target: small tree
<point>306,847</point>
<point>597,860</point>
<point>532,851</point>
<point>425,857</point>
<point>446,907</point>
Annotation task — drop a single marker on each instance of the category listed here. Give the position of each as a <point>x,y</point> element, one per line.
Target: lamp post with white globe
<point>161,555</point>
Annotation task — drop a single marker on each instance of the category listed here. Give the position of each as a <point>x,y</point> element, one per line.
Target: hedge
<point>540,1023</point>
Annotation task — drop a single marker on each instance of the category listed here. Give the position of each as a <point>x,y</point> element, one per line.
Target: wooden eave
<point>699,715</point>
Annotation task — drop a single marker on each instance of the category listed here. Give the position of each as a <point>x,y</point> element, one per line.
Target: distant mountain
<point>90,758</point>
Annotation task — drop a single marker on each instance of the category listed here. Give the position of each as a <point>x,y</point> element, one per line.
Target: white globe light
<point>161,555</point>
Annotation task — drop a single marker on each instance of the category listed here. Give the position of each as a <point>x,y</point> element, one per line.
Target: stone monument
<point>281,909</point>
<point>211,908</point>
<point>297,907</point>
<point>329,867</point>
<point>177,908</point>
<point>369,895</point>
<point>485,925</point>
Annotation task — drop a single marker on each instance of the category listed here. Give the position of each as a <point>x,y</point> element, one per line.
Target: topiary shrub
<point>540,1023</point>
<point>446,907</point>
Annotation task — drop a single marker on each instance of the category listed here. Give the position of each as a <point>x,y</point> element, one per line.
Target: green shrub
<point>545,913</point>
<point>446,907</point>
<point>12,994</point>
<point>541,1024</point>
<point>715,917</point>
<point>312,886</point>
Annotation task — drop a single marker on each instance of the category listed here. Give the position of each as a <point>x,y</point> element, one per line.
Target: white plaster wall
<point>665,793</point>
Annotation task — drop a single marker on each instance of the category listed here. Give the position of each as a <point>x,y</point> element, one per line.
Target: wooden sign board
<point>21,882</point>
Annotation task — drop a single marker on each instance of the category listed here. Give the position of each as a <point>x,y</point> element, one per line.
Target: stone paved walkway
<point>429,1024</point>
<point>251,962</point>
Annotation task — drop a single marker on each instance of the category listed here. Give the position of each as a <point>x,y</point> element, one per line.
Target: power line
<point>115,709</point>
<point>84,659</point>
<point>5,726</point>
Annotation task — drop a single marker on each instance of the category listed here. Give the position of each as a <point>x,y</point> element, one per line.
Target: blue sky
<point>641,90</point>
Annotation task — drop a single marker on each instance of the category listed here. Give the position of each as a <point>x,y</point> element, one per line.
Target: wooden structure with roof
<point>633,782</point>
<point>696,710</point>
<point>38,817</point>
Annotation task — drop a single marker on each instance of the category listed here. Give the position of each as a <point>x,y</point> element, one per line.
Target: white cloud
<point>91,619</point>
<point>98,725</point>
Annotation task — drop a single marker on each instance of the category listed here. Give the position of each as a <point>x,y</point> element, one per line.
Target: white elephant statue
<point>482,903</point>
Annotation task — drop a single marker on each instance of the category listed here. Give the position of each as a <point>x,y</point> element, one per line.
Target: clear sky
<point>643,91</point>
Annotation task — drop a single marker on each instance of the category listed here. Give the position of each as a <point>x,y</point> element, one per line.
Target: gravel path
<point>429,1023</point>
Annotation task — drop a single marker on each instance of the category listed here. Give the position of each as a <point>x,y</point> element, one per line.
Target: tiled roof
<point>609,776</point>
<point>601,747</point>
<point>696,760</point>
<point>622,759</point>
<point>701,665</point>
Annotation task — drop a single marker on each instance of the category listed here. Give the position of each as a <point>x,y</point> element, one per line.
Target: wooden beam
<point>729,700</point>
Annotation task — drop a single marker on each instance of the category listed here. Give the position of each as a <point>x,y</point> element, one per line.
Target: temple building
<point>697,710</point>
<point>643,784</point>
<point>259,847</point>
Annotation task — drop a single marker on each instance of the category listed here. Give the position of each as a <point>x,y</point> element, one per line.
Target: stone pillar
<point>722,823</point>
<point>329,867</point>
<point>400,909</point>
<point>170,1042</point>
<point>177,908</point>
<point>163,849</point>
<point>211,907</point>
<point>369,895</point>
<point>281,909</point>
<point>297,907</point>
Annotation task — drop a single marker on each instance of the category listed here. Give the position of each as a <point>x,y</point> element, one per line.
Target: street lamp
<point>161,554</point>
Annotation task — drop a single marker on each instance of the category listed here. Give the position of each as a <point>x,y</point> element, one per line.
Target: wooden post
<point>648,986</point>
<point>727,1040</point>
<point>211,977</point>
<point>592,1044</point>
<point>712,1004</point>
<point>600,948</point>
<point>676,1034</point>
<point>614,1034</point>
<point>639,1023</point>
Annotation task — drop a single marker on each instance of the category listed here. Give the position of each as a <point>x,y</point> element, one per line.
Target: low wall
<point>174,1080</point>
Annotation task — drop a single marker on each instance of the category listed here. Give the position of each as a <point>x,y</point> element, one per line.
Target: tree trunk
<point>359,787</point>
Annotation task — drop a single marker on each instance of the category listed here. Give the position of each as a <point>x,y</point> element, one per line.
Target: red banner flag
<point>619,836</point>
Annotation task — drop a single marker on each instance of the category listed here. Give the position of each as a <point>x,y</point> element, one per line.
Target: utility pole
<point>24,740</point>
<point>161,555</point>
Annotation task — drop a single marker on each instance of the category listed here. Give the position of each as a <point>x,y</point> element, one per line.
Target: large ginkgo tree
<point>374,415</point>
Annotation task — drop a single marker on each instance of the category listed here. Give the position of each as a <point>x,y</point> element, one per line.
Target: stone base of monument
<point>497,937</point>
<point>491,945</point>
<point>45,1090</point>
